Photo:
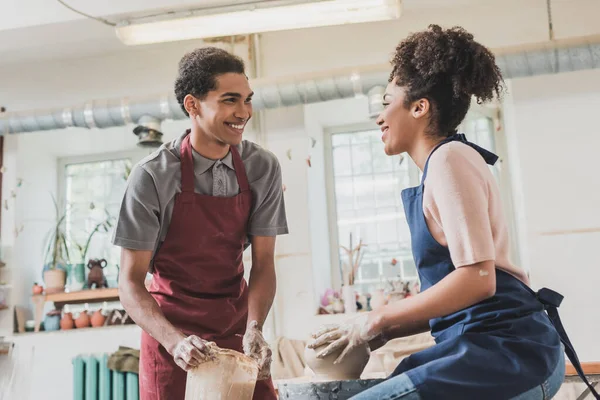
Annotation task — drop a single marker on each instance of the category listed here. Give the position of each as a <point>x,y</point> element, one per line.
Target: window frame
<point>134,155</point>
<point>332,216</point>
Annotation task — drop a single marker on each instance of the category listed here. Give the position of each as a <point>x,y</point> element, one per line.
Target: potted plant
<point>56,256</point>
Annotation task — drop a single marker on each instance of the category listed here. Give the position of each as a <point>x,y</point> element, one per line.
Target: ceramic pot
<point>98,319</point>
<point>52,321</point>
<point>351,368</point>
<point>55,280</point>
<point>83,320</point>
<point>67,321</point>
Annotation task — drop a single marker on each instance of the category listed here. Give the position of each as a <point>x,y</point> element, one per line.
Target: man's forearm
<point>145,312</point>
<point>261,292</point>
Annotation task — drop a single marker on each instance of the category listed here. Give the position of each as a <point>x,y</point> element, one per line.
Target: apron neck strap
<point>489,157</point>
<point>240,170</point>
<point>187,166</point>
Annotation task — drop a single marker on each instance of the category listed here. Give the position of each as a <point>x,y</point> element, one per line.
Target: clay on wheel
<point>350,368</point>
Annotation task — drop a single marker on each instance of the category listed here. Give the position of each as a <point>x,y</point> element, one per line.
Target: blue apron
<point>495,349</point>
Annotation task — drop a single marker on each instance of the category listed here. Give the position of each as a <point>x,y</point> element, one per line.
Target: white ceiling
<point>35,30</point>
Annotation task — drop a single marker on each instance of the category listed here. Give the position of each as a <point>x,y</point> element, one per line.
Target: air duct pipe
<point>565,56</point>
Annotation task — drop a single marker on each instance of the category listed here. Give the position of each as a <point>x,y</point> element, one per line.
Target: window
<point>364,186</point>
<point>92,191</point>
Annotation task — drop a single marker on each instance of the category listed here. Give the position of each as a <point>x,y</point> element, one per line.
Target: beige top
<point>463,208</point>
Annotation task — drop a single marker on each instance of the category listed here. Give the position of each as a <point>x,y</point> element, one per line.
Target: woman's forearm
<point>460,289</point>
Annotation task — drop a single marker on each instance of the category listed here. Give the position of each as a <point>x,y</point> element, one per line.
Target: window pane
<point>93,195</point>
<point>361,159</point>
<point>342,164</point>
<point>361,137</point>
<point>340,140</point>
<point>363,190</point>
<point>344,194</point>
<point>369,206</point>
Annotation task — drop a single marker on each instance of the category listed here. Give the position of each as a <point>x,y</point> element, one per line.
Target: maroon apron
<point>198,279</point>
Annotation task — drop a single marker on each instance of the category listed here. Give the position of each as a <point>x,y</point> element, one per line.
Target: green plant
<point>57,248</point>
<point>103,226</point>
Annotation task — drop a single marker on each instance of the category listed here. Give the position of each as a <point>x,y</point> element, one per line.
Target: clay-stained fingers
<point>333,347</point>
<point>201,348</point>
<point>265,363</point>
<point>325,329</point>
<point>325,338</point>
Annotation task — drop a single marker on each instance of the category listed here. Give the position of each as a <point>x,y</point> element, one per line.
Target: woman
<point>494,339</point>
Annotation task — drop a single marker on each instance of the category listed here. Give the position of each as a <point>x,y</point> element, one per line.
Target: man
<point>189,211</point>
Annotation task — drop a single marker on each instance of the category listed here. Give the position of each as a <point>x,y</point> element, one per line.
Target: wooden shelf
<point>79,297</point>
<point>82,296</point>
<point>3,307</point>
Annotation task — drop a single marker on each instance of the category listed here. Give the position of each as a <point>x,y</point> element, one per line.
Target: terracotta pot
<point>55,280</point>
<point>37,289</point>
<point>67,321</point>
<point>98,319</point>
<point>83,321</point>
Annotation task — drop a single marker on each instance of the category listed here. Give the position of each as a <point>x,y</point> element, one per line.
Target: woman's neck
<point>422,148</point>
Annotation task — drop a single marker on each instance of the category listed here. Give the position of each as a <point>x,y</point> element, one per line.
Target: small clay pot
<point>98,319</point>
<point>83,321</point>
<point>349,369</point>
<point>52,321</point>
<point>67,321</point>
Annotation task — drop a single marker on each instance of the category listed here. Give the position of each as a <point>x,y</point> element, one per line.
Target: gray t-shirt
<point>153,183</point>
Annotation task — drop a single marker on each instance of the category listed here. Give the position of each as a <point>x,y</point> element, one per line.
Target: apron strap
<point>240,170</point>
<point>551,301</point>
<point>489,157</point>
<point>187,166</point>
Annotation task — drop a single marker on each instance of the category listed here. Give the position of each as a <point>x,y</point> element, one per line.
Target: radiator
<point>92,380</point>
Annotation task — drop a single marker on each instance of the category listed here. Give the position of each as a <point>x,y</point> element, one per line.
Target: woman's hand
<point>346,336</point>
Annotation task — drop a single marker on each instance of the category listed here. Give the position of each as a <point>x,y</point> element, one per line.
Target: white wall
<point>552,121</point>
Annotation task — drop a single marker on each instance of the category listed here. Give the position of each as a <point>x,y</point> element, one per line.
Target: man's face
<point>225,111</point>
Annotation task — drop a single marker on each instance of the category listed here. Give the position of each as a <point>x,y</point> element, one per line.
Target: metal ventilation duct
<point>271,94</point>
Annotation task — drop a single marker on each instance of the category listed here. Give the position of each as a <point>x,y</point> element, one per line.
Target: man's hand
<point>192,351</point>
<point>345,337</point>
<point>257,348</point>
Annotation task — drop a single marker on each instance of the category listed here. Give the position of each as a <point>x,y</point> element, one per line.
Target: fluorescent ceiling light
<point>257,20</point>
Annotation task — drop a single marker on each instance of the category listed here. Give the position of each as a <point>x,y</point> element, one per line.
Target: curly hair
<point>447,67</point>
<point>199,69</point>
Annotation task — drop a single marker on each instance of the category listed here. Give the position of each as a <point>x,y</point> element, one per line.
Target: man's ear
<point>420,108</point>
<point>190,105</point>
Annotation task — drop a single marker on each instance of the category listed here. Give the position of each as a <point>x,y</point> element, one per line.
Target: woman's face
<point>400,124</point>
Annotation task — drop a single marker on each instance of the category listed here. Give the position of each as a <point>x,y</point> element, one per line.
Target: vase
<point>98,319</point>
<point>83,320</point>
<point>67,321</point>
<point>76,277</point>
<point>349,298</point>
<point>52,321</point>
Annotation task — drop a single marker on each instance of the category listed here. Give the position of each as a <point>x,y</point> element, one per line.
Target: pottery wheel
<point>330,390</point>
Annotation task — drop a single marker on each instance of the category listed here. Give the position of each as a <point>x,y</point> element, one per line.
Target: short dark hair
<point>447,67</point>
<point>199,69</point>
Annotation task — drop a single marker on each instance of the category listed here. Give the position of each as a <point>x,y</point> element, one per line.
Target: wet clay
<point>349,369</point>
<point>232,375</point>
